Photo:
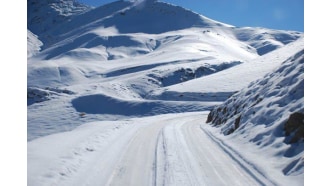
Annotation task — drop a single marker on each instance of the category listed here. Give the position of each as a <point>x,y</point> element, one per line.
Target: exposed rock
<point>294,127</point>
<point>209,118</point>
<point>237,122</point>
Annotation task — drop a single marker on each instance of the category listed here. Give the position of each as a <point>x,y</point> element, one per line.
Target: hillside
<point>102,81</point>
<point>267,116</point>
<point>45,15</point>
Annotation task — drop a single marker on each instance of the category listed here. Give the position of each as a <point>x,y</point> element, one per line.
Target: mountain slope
<point>261,116</point>
<point>111,53</point>
<point>100,26</point>
<point>33,44</point>
<point>234,78</point>
<point>265,40</point>
<point>43,16</point>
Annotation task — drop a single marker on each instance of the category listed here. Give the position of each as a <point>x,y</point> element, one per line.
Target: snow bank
<point>254,118</point>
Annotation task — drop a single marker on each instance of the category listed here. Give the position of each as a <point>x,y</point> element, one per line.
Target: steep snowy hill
<point>268,116</point>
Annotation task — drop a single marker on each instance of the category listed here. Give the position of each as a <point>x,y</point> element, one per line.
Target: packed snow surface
<point>119,95</point>
<point>170,149</point>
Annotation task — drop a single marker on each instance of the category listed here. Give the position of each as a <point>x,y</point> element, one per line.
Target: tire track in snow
<point>179,171</point>
<point>176,151</point>
<point>159,160</point>
<point>137,165</point>
<point>261,178</point>
<point>193,159</point>
<point>164,150</point>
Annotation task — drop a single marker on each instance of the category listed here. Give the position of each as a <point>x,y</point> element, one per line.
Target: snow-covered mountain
<point>128,63</point>
<point>123,21</point>
<point>269,114</point>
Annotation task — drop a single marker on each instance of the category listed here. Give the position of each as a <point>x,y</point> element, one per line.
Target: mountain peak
<point>143,1</point>
<point>153,17</point>
<point>72,25</point>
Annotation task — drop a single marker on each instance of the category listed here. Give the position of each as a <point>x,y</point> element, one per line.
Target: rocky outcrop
<point>294,127</point>
<point>267,102</point>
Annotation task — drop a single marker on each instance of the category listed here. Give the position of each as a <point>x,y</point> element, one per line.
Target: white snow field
<point>120,95</point>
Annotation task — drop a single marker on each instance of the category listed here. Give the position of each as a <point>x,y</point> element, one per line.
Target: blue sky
<point>275,14</point>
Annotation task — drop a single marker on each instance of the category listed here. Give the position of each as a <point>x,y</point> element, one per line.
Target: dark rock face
<point>237,121</point>
<point>294,127</point>
<point>209,118</point>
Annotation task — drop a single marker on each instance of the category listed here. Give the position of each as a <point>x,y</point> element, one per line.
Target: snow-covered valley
<point>120,95</point>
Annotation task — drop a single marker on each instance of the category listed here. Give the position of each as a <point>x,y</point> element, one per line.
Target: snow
<point>43,15</point>
<point>33,44</point>
<point>262,108</point>
<point>231,80</point>
<point>119,95</point>
<point>158,150</point>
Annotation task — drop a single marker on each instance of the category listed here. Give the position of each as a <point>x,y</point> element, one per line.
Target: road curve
<point>164,150</point>
<point>177,151</point>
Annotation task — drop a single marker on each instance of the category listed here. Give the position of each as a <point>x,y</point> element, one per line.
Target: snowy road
<point>169,149</point>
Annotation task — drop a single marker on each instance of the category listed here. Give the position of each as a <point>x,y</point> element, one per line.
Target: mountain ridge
<point>125,17</point>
